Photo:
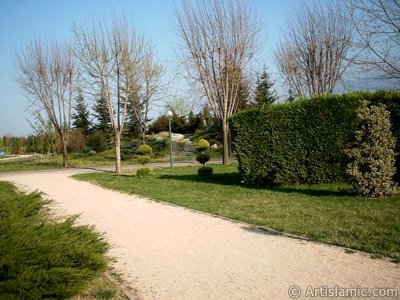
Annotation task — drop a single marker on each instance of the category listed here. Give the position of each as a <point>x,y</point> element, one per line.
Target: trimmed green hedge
<point>302,141</point>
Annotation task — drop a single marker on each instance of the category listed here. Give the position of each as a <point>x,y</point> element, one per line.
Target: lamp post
<point>171,159</point>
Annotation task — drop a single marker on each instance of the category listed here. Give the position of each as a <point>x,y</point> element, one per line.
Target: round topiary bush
<point>202,145</point>
<point>205,171</point>
<point>145,159</point>
<point>144,150</point>
<point>203,158</point>
<point>142,172</point>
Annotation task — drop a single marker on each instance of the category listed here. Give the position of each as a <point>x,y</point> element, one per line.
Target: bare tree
<point>377,27</point>
<point>111,59</point>
<point>218,41</point>
<point>148,85</point>
<point>314,53</point>
<point>180,105</point>
<point>48,74</point>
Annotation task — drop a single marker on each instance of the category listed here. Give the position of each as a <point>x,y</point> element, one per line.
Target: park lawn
<point>40,258</point>
<point>323,212</point>
<point>75,160</point>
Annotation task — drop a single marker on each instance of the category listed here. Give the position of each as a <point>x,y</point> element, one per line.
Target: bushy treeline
<point>12,144</point>
<point>304,141</point>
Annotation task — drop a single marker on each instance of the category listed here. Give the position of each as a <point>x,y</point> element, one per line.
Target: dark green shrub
<point>42,259</point>
<point>144,159</point>
<point>158,145</point>
<point>97,141</point>
<point>202,145</point>
<point>203,158</point>
<point>142,172</point>
<point>144,150</point>
<point>205,171</point>
<point>372,156</point>
<point>299,142</point>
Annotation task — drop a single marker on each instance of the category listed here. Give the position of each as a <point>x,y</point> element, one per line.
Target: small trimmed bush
<point>202,145</point>
<point>145,159</point>
<point>205,171</point>
<point>144,150</point>
<point>142,172</point>
<point>203,158</point>
<point>372,157</point>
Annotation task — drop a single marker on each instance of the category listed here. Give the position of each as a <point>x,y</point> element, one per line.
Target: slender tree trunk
<point>143,135</point>
<point>118,152</point>
<point>225,134</point>
<point>65,153</point>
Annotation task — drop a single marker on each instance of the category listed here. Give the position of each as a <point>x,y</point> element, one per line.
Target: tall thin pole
<point>171,159</point>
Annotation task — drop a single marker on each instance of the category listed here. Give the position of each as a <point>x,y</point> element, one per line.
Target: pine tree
<point>103,119</point>
<point>265,94</point>
<point>81,115</point>
<point>132,122</point>
<point>243,95</point>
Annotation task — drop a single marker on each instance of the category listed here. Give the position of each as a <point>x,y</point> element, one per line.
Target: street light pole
<point>171,159</point>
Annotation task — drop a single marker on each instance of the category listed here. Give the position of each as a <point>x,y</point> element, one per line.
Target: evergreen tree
<point>81,115</point>
<point>265,94</point>
<point>243,94</point>
<point>132,122</point>
<point>102,116</point>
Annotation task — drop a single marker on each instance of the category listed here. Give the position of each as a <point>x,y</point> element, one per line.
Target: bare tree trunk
<point>144,136</point>
<point>118,152</point>
<point>64,153</point>
<point>225,140</point>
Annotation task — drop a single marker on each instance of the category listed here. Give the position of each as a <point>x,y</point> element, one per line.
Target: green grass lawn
<point>319,212</point>
<point>44,259</point>
<point>76,160</point>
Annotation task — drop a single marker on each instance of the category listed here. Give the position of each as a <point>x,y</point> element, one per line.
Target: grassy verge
<point>319,212</point>
<point>49,162</point>
<point>44,259</point>
<point>76,160</point>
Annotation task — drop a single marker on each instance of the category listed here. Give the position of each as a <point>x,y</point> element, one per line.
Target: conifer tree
<point>243,97</point>
<point>81,115</point>
<point>265,93</point>
<point>103,119</point>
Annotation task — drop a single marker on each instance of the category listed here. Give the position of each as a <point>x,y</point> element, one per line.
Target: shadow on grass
<point>272,232</point>
<point>233,179</point>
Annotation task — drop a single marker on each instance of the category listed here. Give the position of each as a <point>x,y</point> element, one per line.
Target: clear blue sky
<point>23,20</point>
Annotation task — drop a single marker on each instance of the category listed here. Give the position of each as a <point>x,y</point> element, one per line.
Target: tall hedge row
<point>303,141</point>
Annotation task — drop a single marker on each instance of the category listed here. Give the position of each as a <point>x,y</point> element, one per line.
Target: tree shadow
<point>234,179</point>
<point>272,232</point>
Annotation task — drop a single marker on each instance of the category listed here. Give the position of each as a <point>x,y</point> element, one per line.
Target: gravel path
<point>168,252</point>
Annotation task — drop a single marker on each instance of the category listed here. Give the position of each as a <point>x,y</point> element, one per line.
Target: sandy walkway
<point>169,252</point>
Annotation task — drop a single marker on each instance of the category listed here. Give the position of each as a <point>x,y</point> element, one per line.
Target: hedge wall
<point>302,141</point>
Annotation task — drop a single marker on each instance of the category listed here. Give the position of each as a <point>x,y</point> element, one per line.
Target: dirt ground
<point>168,252</point>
